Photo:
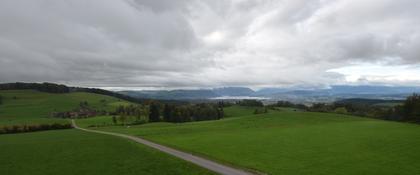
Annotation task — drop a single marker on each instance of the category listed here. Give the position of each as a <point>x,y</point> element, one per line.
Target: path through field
<point>205,163</point>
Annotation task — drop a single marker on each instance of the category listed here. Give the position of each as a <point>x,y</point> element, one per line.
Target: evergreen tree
<point>154,113</point>
<point>411,108</point>
<point>167,113</point>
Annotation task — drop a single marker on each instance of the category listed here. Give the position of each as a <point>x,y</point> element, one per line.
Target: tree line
<point>59,88</point>
<point>288,104</point>
<point>43,87</point>
<point>31,128</point>
<point>253,103</point>
<point>157,111</point>
<point>408,111</point>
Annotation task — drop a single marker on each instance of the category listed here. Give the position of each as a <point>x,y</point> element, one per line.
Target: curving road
<point>205,163</point>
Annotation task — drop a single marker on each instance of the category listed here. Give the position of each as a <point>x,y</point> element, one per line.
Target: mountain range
<point>289,94</point>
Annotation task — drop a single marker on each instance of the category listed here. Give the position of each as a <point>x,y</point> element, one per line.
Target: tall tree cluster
<point>156,111</point>
<point>254,103</point>
<point>197,112</point>
<point>411,108</point>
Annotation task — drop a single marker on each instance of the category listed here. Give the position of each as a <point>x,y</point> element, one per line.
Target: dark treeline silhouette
<point>287,104</point>
<point>194,112</point>
<point>43,87</point>
<point>108,93</point>
<point>409,111</point>
<point>130,114</point>
<point>57,88</point>
<point>254,103</point>
<point>32,128</point>
<point>157,111</point>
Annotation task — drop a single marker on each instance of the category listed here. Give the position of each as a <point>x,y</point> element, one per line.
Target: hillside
<point>72,151</point>
<point>289,142</point>
<point>31,106</point>
<point>77,152</point>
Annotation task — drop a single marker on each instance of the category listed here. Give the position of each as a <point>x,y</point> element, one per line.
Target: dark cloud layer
<point>190,43</point>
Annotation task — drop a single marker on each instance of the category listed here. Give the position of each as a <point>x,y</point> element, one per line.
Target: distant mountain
<point>191,94</point>
<point>172,95</point>
<point>269,91</point>
<point>233,91</point>
<point>290,94</point>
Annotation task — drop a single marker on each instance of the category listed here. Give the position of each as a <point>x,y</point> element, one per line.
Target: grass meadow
<point>283,141</point>
<point>34,107</point>
<point>72,151</point>
<point>293,142</point>
<point>77,152</point>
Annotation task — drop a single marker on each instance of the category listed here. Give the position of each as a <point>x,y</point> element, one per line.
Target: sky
<point>213,43</point>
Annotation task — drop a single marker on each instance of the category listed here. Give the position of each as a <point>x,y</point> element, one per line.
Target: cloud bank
<point>192,43</point>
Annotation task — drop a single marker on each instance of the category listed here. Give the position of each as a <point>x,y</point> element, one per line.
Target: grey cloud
<point>165,43</point>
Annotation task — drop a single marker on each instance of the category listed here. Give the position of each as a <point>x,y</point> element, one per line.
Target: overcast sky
<point>213,43</point>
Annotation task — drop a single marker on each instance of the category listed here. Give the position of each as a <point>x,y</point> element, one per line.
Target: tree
<point>167,113</point>
<point>341,110</point>
<point>114,120</point>
<point>122,118</point>
<point>411,108</point>
<point>137,113</point>
<point>154,113</point>
<point>1,100</point>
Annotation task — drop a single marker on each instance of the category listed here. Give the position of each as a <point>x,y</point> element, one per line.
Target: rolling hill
<point>72,151</point>
<point>31,106</point>
<point>293,142</point>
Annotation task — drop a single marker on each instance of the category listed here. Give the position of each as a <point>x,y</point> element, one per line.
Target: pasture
<point>77,152</point>
<point>293,142</point>
<point>34,107</point>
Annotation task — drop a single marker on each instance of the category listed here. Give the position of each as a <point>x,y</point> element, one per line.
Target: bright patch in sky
<point>214,37</point>
<point>379,73</point>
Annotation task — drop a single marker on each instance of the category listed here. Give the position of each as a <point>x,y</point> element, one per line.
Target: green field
<point>77,152</point>
<point>72,151</point>
<point>289,142</point>
<point>283,141</point>
<point>34,107</point>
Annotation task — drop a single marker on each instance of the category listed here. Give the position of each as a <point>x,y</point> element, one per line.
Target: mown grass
<point>77,152</point>
<point>34,107</point>
<point>289,142</point>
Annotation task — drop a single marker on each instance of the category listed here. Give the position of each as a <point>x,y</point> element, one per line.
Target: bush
<point>341,110</point>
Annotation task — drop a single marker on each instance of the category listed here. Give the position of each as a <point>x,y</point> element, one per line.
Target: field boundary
<point>202,162</point>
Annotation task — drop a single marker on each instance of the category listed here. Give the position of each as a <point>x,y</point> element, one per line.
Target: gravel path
<point>205,163</point>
